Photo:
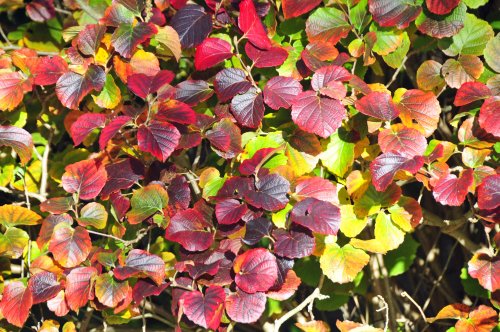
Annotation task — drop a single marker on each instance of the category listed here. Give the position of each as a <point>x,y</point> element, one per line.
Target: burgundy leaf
<point>229,211</point>
<point>229,82</point>
<point>204,309</point>
<point>225,136</point>
<point>71,87</point>
<point>488,192</point>
<point>318,216</point>
<point>256,270</point>
<point>158,138</point>
<point>193,92</point>
<point>142,264</point>
<point>248,108</point>
<point>122,174</point>
<point>280,92</point>
<point>270,193</point>
<point>441,7</point>
<point>43,286</point>
<point>245,308</point>
<point>84,125</point>
<point>89,39</point>
<point>450,190</point>
<point>385,167</point>
<point>175,111</point>
<point>256,229</point>
<point>326,75</point>
<point>41,10</point>
<point>272,57</point>
<point>295,243</point>
<point>399,13</point>
<point>294,8</point>
<point>113,127</point>
<point>191,230</point>
<point>192,24</point>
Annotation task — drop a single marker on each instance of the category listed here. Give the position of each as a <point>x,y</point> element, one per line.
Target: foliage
<point>234,154</point>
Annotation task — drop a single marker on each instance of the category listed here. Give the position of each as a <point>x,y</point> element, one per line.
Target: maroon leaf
<point>295,243</point>
<point>140,263</point>
<point>441,7</point>
<point>179,194</point>
<point>127,36</point>
<point>122,174</point>
<point>84,125</point>
<point>318,216</point>
<point>256,229</point>
<point>225,136</point>
<point>378,105</point>
<point>175,111</point>
<point>272,57</point>
<point>204,309</point>
<point>44,286</point>
<point>251,25</point>
<point>326,75</point>
<point>280,92</point>
<point>489,117</point>
<point>89,39</point>
<point>48,70</point>
<point>470,92</point>
<point>314,114</point>
<point>294,8</point>
<point>18,139</point>
<point>79,286</point>
<point>248,108</point>
<point>158,138</point>
<point>385,167</point>
<point>191,230</point>
<point>245,308</point>
<point>193,92</point>
<point>16,303</point>
<point>110,130</point>
<point>192,24</point>
<point>256,270</point>
<point>399,13</point>
<point>230,211</point>
<point>211,52</point>
<point>144,288</point>
<point>270,194</point>
<point>84,178</point>
<point>450,190</point>
<point>71,87</point>
<point>488,192</point>
<point>41,10</point>
<point>229,82</point>
<point>407,141</point>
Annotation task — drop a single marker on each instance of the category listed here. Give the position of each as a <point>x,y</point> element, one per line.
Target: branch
<point>386,308</point>
<point>14,47</point>
<point>140,234</point>
<point>405,294</point>
<point>19,193</point>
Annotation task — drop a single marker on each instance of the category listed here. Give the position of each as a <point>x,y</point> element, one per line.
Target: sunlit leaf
<point>342,264</point>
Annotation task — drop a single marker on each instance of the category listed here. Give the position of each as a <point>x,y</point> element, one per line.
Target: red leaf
<point>12,88</point>
<point>41,10</point>
<point>122,174</point>
<point>110,130</point>
<point>140,263</point>
<point>423,107</point>
<point>256,270</point>
<point>58,305</point>
<point>314,114</point>
<point>325,75</point>
<point>175,111</point>
<point>89,39</point>
<point>272,57</point>
<point>191,230</point>
<point>270,193</point>
<point>43,286</point>
<point>488,192</point>
<point>192,24</point>
<point>71,87</point>
<point>85,178</point>
<point>110,292</point>
<point>18,139</point>
<point>470,92</point>
<point>486,270</point>
<point>69,246</point>
<point>84,125</point>
<point>441,7</point>
<point>48,70</point>
<point>251,25</point>
<point>316,187</point>
<point>256,229</point>
<point>280,92</point>
<point>79,286</point>
<point>245,308</point>
<point>318,216</point>
<point>225,136</point>
<point>248,108</point>
<point>16,303</point>
<point>48,225</point>
<point>450,190</point>
<point>143,85</point>
<point>399,13</point>
<point>378,105</point>
<point>144,288</point>
<point>229,211</point>
<point>295,243</point>
<point>481,319</point>
<point>407,141</point>
<point>252,165</point>
<point>229,82</point>
<point>158,138</point>
<point>489,117</point>
<point>127,36</point>
<point>211,52</point>
<point>294,8</point>
<point>204,309</point>
<point>287,288</point>
<point>385,167</point>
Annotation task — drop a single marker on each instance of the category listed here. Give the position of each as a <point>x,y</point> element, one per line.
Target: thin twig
<point>386,308</point>
<point>45,167</point>
<point>26,193</point>
<point>139,237</point>
<point>395,75</point>
<point>21,193</point>
<point>5,36</point>
<point>405,294</point>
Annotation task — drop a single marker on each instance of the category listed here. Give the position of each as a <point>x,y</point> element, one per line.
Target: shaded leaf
<point>245,308</point>
<point>192,24</point>
<point>256,270</point>
<point>140,263</point>
<point>204,309</point>
<point>72,87</point>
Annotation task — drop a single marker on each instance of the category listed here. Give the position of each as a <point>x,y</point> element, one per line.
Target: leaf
<point>442,26</point>
<point>406,141</point>
<point>79,286</point>
<point>84,125</point>
<point>316,187</point>
<point>245,308</point>
<point>159,138</point>
<point>70,247</point>
<point>146,202</point>
<point>192,24</point>
<point>406,213</point>
<point>41,10</point>
<point>470,92</point>
<point>48,70</point>
<point>248,108</point>
<point>318,216</point>
<point>13,242</point>
<point>110,95</point>
<point>429,76</point>
<point>313,326</point>
<point>450,190</point>
<point>229,82</point>
<point>251,25</point>
<point>12,88</point>
<point>350,224</point>
<point>191,230</point>
<point>280,92</point>
<point>93,214</point>
<point>452,311</point>
<point>110,130</point>
<point>225,136</point>
<point>140,263</point>
<point>110,291</point>
<point>422,107</point>
<point>378,105</point>
<point>313,114</point>
<point>488,192</point>
<point>270,193</point>
<point>323,78</point>
<point>169,43</point>
<point>89,39</point>
<point>481,319</point>
<point>175,111</point>
<point>15,215</point>
<point>385,167</point>
<point>43,286</point>
<point>295,8</point>
<point>327,25</point>
<point>491,51</point>
<point>117,14</point>
<point>18,139</point>
<point>256,270</point>
<point>471,39</point>
<point>84,178</point>
<point>122,174</point>
<point>71,87</point>
<point>400,260</point>
<point>211,52</point>
<point>466,69</point>
<point>256,229</point>
<point>338,156</point>
<point>342,264</point>
<point>204,309</point>
<point>127,37</point>
<point>193,92</point>
<point>295,243</point>
<point>16,303</point>
<point>441,7</point>
<point>399,13</point>
<point>489,117</point>
<point>272,57</point>
<point>486,270</point>
<point>372,200</point>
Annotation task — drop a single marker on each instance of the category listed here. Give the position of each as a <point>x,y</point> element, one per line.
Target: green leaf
<point>372,200</point>
<point>93,214</point>
<point>399,261</point>
<point>13,242</point>
<point>387,232</point>
<point>342,264</point>
<point>472,39</point>
<point>110,95</point>
<point>388,40</point>
<point>395,59</point>
<point>491,53</point>
<point>147,201</point>
<point>308,270</point>
<point>339,154</point>
<point>471,285</point>
<point>359,15</point>
<point>475,3</point>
